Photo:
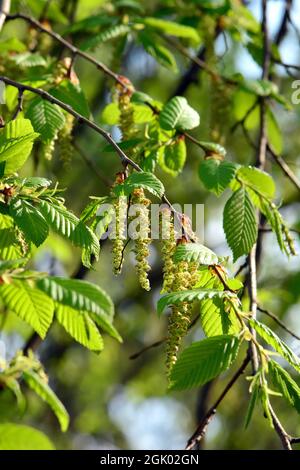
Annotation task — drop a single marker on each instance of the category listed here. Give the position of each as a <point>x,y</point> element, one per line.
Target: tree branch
<point>278,321</point>
<point>73,49</point>
<point>285,168</point>
<point>283,435</point>
<point>200,432</point>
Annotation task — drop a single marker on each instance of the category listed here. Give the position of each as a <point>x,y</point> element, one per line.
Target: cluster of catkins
<point>142,240</point>
<point>176,277</point>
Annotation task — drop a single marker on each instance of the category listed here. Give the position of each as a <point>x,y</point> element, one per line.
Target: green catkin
<point>120,207</point>
<point>47,149</point>
<point>185,275</point>
<point>167,250</point>
<point>142,242</point>
<point>65,140</point>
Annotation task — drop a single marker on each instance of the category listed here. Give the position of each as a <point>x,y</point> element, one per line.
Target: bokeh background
<point>116,402</point>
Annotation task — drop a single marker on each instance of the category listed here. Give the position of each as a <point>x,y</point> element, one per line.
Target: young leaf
<point>274,133</point>
<point>80,326</point>
<point>285,384</point>
<point>257,180</point>
<point>216,175</point>
<point>72,95</point>
<point>29,219</point>
<point>172,28</point>
<point>174,157</point>
<point>81,295</point>
<point>239,223</point>
<point>216,320</point>
<point>42,389</point>
<point>19,437</point>
<point>111,114</point>
<point>68,225</point>
<point>30,304</point>
<point>178,114</point>
<point>9,248</point>
<point>28,59</point>
<point>16,140</point>
<point>203,360</point>
<point>273,340</point>
<point>47,119</point>
<point>196,253</point>
<point>189,296</point>
<point>143,180</point>
<point>158,51</point>
<point>112,32</point>
<point>253,399</point>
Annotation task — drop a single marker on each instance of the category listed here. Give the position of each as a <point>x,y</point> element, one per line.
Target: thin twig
<point>202,428</point>
<point>19,105</point>
<point>278,321</point>
<point>283,28</point>
<point>285,167</point>
<point>160,341</point>
<point>283,435</point>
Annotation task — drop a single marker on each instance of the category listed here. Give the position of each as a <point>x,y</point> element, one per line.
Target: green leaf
<point>111,114</point>
<point>273,340</point>
<point>30,182</point>
<point>72,95</point>
<point>260,87</point>
<point>16,140</point>
<point>216,175</point>
<point>42,389</point>
<point>252,402</point>
<point>194,252</point>
<point>174,157</point>
<point>211,148</point>
<point>277,224</point>
<point>142,180</point>
<point>30,304</point>
<point>258,180</point>
<point>178,114</point>
<point>203,360</point>
<point>11,264</point>
<point>83,296</point>
<point>274,133</point>
<point>20,437</point>
<point>112,32</point>
<point>216,320</point>
<point>239,223</point>
<point>172,28</point>
<point>9,248</point>
<point>47,119</point>
<point>29,219</point>
<point>189,296</point>
<point>89,23</point>
<point>69,226</point>
<point>285,384</point>
<point>80,326</point>
<point>90,211</point>
<point>29,59</point>
<point>158,51</point>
